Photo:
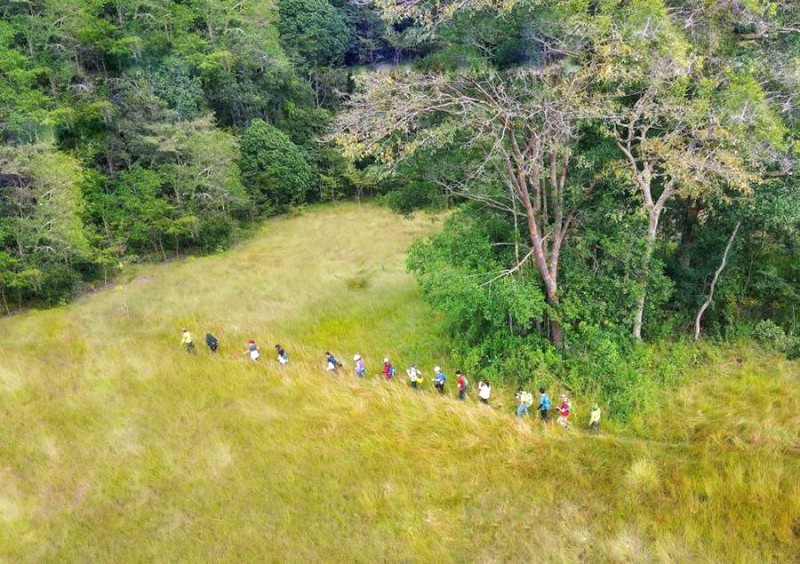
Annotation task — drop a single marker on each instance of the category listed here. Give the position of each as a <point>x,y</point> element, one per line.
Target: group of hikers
<point>415,377</point>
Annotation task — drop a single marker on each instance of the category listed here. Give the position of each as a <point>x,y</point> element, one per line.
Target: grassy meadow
<point>117,446</point>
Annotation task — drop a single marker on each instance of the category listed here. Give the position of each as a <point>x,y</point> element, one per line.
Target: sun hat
<point>356,357</point>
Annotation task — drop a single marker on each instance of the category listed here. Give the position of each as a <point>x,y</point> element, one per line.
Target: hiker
<point>525,401</point>
<point>252,350</point>
<point>544,405</point>
<point>484,391</point>
<point>414,376</point>
<point>594,420</point>
<point>462,384</point>
<point>439,379</point>
<point>563,411</point>
<point>283,358</point>
<point>332,363</point>
<point>187,341</point>
<point>211,342</point>
<point>361,368</point>
<point>388,369</point>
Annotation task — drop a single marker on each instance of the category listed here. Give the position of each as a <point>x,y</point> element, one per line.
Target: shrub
<point>768,333</point>
<point>216,232</point>
<point>793,348</point>
<point>59,284</point>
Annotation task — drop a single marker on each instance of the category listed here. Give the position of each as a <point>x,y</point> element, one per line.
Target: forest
<point>612,171</point>
<point>143,130</point>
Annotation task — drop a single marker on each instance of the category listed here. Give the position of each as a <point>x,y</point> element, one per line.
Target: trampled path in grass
<point>117,446</point>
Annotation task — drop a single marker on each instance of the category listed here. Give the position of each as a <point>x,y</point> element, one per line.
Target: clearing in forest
<point>116,445</point>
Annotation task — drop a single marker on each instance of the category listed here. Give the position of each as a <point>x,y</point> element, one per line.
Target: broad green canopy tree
<point>274,170</point>
<point>314,30</point>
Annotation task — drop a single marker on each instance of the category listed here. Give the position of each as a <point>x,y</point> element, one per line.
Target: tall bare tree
<point>522,124</point>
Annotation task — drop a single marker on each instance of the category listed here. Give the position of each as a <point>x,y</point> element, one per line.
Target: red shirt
<point>462,385</point>
<point>564,409</point>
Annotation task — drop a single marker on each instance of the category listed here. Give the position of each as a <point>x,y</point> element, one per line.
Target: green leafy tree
<point>149,99</point>
<point>199,162</point>
<point>682,127</point>
<point>689,120</point>
<point>274,170</point>
<point>24,110</point>
<point>41,220</point>
<point>313,30</point>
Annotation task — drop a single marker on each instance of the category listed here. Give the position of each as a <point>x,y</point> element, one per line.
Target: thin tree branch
<point>707,303</point>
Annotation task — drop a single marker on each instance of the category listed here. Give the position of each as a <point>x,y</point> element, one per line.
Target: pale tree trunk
<point>652,231</point>
<point>5,303</point>
<point>707,303</point>
<point>549,281</point>
<point>533,195</point>
<point>654,210</point>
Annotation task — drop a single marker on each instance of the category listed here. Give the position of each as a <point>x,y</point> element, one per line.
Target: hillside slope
<point>118,446</point>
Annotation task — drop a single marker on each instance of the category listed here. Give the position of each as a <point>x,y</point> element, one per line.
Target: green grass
<point>117,446</point>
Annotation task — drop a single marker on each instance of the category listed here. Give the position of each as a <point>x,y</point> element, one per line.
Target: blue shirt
<point>544,403</point>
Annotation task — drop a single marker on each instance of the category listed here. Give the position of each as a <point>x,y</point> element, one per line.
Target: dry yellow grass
<point>117,446</point>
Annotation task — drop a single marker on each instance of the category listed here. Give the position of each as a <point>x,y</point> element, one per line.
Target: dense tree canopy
<point>620,151</point>
<point>121,123</point>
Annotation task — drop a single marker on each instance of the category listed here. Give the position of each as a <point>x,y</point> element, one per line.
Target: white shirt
<point>484,391</point>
